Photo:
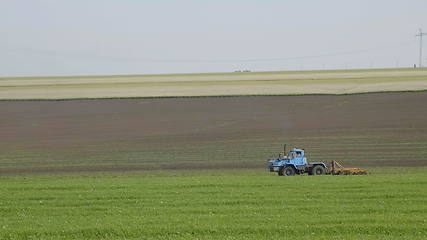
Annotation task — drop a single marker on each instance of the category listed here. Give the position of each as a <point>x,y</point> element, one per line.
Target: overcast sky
<point>88,37</point>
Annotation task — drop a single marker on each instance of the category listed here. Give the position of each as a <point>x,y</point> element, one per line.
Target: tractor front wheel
<point>288,171</point>
<point>318,170</point>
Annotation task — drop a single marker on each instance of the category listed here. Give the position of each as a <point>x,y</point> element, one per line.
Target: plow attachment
<point>338,169</point>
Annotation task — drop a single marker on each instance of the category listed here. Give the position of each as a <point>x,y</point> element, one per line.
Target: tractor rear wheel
<point>288,171</point>
<point>318,170</point>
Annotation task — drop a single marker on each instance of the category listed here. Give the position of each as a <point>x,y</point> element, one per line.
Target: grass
<point>214,205</point>
<point>214,84</point>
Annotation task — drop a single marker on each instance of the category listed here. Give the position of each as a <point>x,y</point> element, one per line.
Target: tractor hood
<point>279,162</point>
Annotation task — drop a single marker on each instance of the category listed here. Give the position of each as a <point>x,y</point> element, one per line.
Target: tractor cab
<point>296,157</point>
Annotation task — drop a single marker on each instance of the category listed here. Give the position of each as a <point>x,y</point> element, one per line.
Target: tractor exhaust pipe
<point>284,150</point>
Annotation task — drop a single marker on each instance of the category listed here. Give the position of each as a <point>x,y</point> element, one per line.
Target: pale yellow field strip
<point>208,77</point>
<point>268,83</point>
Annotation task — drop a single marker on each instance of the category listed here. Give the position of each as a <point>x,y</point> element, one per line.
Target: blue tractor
<point>296,163</point>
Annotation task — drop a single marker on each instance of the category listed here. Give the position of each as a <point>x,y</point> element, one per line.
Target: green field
<point>193,168</point>
<point>215,205</point>
<point>214,84</point>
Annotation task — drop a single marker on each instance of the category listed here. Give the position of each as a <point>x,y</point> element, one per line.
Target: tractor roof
<point>297,150</point>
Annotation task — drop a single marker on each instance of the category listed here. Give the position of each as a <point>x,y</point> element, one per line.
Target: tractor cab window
<point>293,155</point>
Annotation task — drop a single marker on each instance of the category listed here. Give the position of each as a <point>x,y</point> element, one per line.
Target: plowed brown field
<point>386,129</point>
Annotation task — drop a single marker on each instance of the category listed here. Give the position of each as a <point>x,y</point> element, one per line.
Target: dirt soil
<point>388,129</point>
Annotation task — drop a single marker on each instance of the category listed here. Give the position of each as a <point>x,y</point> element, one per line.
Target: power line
<point>421,34</point>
